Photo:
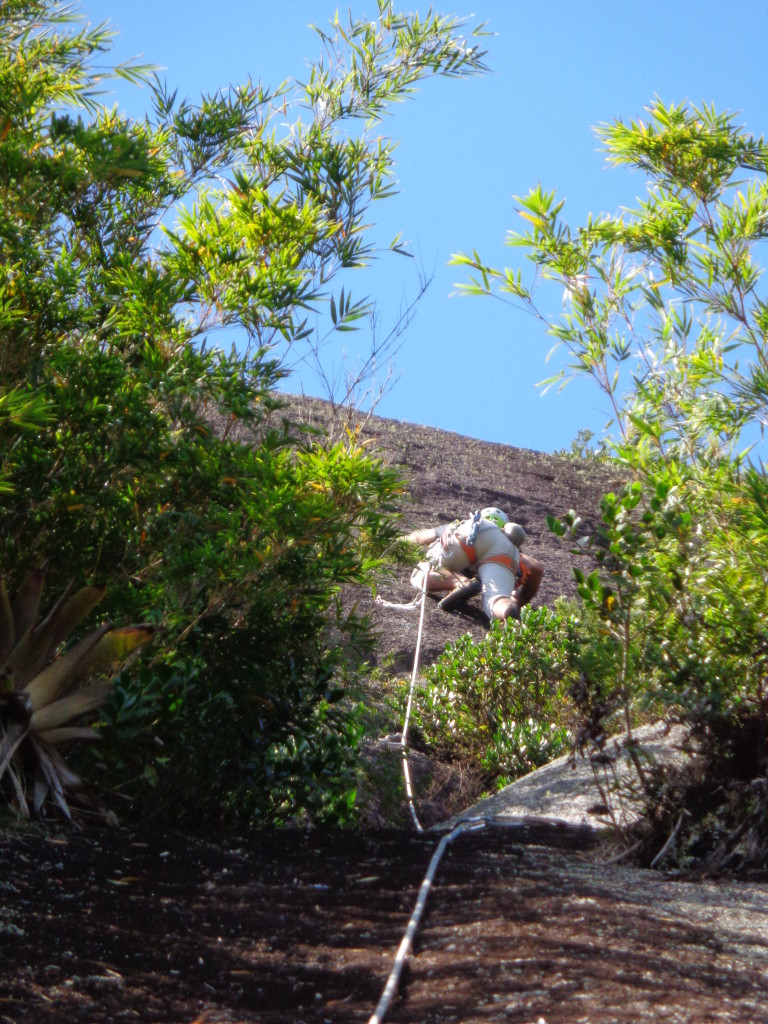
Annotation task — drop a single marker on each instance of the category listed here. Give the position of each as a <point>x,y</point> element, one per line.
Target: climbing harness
<point>506,560</point>
<point>446,545</point>
<point>472,535</point>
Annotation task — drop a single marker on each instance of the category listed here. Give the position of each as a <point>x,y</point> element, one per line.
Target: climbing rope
<point>464,825</point>
<point>404,734</point>
<point>408,606</point>
<point>390,988</point>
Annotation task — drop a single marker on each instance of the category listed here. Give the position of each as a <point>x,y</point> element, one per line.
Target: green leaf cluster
<point>661,305</point>
<point>501,704</point>
<point>137,447</point>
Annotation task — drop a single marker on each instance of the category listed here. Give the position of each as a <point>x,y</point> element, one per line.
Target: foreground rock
<point>573,791</point>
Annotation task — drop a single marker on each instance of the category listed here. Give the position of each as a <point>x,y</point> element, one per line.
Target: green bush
<point>159,462</point>
<point>501,703</point>
<point>266,744</point>
<point>661,306</point>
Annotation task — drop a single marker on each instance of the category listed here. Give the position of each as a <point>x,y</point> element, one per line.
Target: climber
<point>486,544</point>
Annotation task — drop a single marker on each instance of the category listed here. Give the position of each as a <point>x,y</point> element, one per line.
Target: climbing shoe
<point>460,595</point>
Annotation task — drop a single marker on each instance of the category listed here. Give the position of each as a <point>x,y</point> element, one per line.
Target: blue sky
<point>466,149</point>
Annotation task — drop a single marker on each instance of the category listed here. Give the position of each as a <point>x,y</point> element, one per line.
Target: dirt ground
<point>301,927</point>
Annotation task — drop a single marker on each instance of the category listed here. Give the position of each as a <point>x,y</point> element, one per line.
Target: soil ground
<point>301,927</point>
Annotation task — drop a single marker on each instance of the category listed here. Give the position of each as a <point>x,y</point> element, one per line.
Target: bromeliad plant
<point>46,692</point>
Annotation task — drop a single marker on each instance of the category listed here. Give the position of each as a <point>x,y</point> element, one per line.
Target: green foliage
<point>683,610</point>
<point>158,458</point>
<point>243,743</point>
<point>501,703</point>
<point>20,410</point>
<point>582,448</point>
<point>669,287</point>
<point>662,309</point>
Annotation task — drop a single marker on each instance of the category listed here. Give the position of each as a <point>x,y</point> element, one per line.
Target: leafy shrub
<point>127,248</point>
<point>264,745</point>
<point>584,450</point>
<point>682,612</point>
<point>662,309</point>
<point>253,707</point>
<point>502,702</point>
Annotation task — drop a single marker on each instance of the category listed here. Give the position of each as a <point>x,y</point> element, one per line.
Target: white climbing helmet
<point>495,516</point>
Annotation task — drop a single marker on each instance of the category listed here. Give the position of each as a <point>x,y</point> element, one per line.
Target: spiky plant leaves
<point>63,672</point>
<point>26,653</point>
<point>38,645</point>
<point>53,778</point>
<point>71,614</point>
<point>114,646</point>
<point>68,734</point>
<point>98,652</point>
<point>21,800</point>
<point>15,713</point>
<point>45,692</point>
<point>74,705</point>
<point>26,603</point>
<point>39,793</point>
<point>13,736</point>
<point>7,629</point>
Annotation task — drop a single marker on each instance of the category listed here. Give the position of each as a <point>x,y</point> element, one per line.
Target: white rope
<point>409,606</point>
<point>405,945</point>
<point>394,976</point>
<point>404,736</point>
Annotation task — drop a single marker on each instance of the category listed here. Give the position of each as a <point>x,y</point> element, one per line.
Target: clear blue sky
<point>466,148</point>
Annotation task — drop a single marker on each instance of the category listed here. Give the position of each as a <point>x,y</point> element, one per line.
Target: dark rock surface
<point>449,476</point>
<point>301,927</point>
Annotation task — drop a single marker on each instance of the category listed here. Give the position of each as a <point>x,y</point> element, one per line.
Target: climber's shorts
<point>498,581</point>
